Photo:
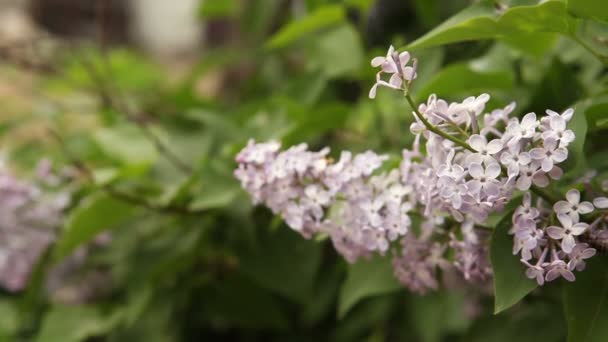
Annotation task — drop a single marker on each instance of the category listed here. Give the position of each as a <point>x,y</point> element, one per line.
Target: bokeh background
<point>128,115</point>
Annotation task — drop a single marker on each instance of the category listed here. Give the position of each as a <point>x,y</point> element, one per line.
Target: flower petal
<point>573,196</point>
<point>568,243</point>
<point>378,61</point>
<point>492,171</point>
<point>395,81</point>
<point>372,91</point>
<point>555,232</point>
<point>537,153</point>
<point>494,146</point>
<point>404,57</point>
<point>478,142</point>
<point>562,207</point>
<point>560,154</point>
<point>579,228</point>
<point>585,207</point>
<point>546,164</point>
<point>476,170</point>
<point>557,123</point>
<point>566,220</point>
<point>600,202</point>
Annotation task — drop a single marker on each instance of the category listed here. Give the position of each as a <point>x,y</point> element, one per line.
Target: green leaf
<point>483,21</point>
<point>460,79</point>
<point>95,214</point>
<point>214,199</point>
<point>9,319</point>
<point>340,51</point>
<point>586,303</point>
<point>593,9</point>
<point>245,304</point>
<point>284,263</point>
<point>510,281</point>
<point>218,9</point>
<point>437,314</point>
<point>576,149</point>
<point>126,144</point>
<point>366,278</point>
<point>72,324</point>
<point>320,18</point>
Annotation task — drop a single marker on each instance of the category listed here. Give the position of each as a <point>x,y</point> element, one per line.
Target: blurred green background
<point>146,103</point>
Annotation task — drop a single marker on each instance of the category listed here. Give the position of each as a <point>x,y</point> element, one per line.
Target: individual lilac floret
<point>573,205</point>
<point>395,64</point>
<point>567,232</point>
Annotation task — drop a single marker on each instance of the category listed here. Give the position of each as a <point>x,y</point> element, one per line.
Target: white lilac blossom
<point>28,219</point>
<point>466,164</point>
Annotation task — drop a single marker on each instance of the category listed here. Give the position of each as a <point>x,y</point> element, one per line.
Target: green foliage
<point>585,303</point>
<point>95,214</point>
<point>190,258</point>
<point>484,21</point>
<point>366,278</point>
<point>592,9</point>
<point>321,18</point>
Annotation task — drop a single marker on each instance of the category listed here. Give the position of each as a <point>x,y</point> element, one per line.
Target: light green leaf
<point>586,303</point>
<point>218,9</point>
<point>593,9</point>
<point>95,214</point>
<point>126,144</point>
<point>483,21</point>
<point>340,51</point>
<point>510,281</point>
<point>72,324</point>
<point>366,278</point>
<point>214,199</point>
<point>321,18</point>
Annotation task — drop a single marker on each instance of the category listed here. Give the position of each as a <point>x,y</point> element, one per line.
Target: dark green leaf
<point>510,281</point>
<point>284,263</point>
<point>95,214</point>
<point>586,303</point>
<point>366,278</point>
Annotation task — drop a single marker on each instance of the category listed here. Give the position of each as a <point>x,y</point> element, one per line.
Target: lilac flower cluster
<point>554,242</point>
<point>367,212</point>
<point>28,217</point>
<point>466,164</point>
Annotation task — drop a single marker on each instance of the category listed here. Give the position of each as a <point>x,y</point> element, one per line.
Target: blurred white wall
<point>167,28</point>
